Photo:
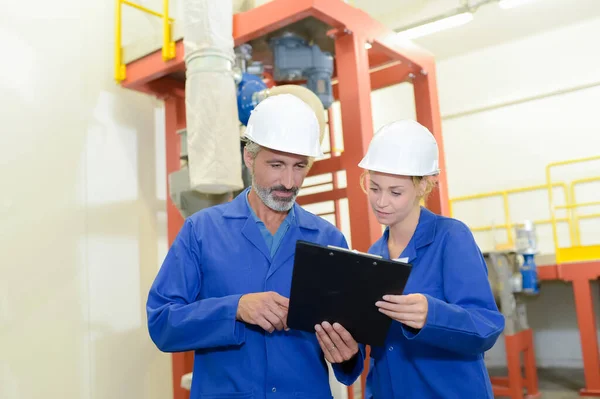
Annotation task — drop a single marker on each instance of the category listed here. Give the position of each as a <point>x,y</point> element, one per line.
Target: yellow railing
<point>573,253</point>
<point>576,252</point>
<point>168,47</point>
<point>576,217</point>
<point>508,225</point>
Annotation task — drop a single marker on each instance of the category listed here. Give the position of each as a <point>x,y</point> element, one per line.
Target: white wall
<point>500,130</point>
<point>82,228</point>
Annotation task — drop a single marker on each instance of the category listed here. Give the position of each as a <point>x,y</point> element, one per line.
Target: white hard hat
<point>404,148</point>
<point>285,123</point>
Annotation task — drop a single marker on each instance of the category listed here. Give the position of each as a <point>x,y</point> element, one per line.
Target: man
<point>222,290</point>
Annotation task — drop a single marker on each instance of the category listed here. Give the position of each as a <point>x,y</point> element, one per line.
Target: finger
<point>401,308</point>
<point>280,312</point>
<point>399,299</point>
<point>329,345</point>
<point>281,300</point>
<point>409,299</point>
<point>401,317</point>
<point>265,325</point>
<point>335,337</point>
<point>338,347</point>
<point>349,345</point>
<point>346,336</point>
<point>325,350</point>
<point>273,319</point>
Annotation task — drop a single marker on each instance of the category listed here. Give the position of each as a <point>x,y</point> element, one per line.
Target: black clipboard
<point>339,285</point>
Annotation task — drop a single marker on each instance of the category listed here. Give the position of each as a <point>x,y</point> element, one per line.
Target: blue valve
<point>246,99</point>
<point>527,247</point>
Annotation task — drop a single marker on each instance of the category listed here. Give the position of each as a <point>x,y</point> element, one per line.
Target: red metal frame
<point>512,386</point>
<point>358,72</point>
<point>581,274</point>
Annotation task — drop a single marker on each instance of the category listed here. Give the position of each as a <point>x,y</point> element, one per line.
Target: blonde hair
<point>430,184</point>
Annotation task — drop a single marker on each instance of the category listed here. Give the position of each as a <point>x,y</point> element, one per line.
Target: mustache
<point>282,189</point>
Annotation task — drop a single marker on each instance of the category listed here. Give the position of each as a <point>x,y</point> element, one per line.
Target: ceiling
<point>491,25</point>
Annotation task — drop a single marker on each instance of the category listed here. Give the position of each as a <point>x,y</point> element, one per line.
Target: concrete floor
<point>555,383</point>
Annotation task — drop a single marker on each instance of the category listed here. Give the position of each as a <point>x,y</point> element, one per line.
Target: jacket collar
<point>423,236</point>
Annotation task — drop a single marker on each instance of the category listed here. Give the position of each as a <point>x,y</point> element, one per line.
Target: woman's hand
<point>336,342</point>
<point>407,309</point>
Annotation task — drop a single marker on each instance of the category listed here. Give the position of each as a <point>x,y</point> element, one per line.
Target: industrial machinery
<point>294,60</point>
<point>513,278</point>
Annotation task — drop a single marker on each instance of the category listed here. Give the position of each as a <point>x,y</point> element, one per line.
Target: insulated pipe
<point>305,95</point>
<point>213,136</point>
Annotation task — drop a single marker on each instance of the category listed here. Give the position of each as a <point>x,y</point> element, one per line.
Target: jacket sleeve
<point>346,373</point>
<point>468,322</point>
<point>178,320</point>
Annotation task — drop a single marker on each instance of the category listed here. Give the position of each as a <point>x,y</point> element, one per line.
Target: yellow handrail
<point>508,225</point>
<point>575,239</point>
<point>168,47</point>
<point>575,217</point>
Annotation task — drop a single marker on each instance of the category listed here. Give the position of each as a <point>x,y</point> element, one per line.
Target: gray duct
<point>213,134</point>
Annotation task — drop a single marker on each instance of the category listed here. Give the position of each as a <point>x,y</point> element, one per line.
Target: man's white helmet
<point>404,148</point>
<point>285,123</point>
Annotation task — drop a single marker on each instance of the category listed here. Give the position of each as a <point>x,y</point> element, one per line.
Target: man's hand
<point>407,309</point>
<point>336,342</point>
<point>265,309</point>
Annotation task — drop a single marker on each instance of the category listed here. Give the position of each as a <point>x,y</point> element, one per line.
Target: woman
<point>447,317</point>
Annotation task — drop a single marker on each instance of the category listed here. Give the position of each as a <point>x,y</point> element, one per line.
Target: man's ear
<point>248,159</point>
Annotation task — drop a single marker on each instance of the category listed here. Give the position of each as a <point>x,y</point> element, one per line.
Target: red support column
<point>428,114</point>
<point>332,147</point>
<point>355,99</point>
<point>175,120</point>
<point>513,385</point>
<point>352,64</point>
<point>586,319</point>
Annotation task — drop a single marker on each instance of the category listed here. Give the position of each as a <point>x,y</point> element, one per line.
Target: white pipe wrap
<point>213,135</point>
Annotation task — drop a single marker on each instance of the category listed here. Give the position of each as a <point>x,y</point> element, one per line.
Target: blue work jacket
<point>444,359</point>
<point>218,256</point>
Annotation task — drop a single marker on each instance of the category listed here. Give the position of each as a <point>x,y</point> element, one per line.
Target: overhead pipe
<point>213,134</point>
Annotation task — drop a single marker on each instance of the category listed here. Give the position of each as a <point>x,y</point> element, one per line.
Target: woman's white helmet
<point>285,123</point>
<point>404,148</point>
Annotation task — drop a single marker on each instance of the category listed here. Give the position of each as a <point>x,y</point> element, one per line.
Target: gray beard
<point>270,201</point>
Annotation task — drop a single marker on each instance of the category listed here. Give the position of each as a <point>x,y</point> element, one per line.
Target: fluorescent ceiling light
<point>437,26</point>
<point>506,4</point>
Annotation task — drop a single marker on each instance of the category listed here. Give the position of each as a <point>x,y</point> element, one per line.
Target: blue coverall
<point>219,255</point>
<point>444,359</point>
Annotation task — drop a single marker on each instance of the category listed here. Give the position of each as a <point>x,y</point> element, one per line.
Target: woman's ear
<point>423,186</point>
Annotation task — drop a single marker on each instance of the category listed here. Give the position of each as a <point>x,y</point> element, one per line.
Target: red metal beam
<point>428,114</point>
<point>182,363</point>
<point>547,272</point>
<point>152,67</point>
<point>389,76</point>
<point>581,274</point>
<point>339,14</point>
<point>261,20</point>
<point>316,198</point>
<point>357,125</point>
<point>394,74</point>
<point>329,165</point>
<point>355,101</point>
<point>166,86</point>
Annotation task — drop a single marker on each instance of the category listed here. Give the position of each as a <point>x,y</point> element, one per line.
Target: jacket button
<point>391,348</point>
<point>274,389</point>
